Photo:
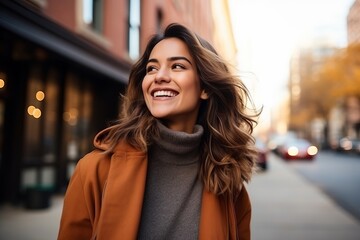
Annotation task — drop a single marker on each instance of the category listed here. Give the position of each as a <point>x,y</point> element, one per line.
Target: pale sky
<point>267,32</point>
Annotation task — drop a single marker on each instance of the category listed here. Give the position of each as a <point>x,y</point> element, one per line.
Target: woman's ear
<point>204,95</point>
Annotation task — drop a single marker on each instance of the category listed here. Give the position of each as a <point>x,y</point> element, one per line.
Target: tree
<point>338,77</point>
<point>323,84</point>
<point>341,73</point>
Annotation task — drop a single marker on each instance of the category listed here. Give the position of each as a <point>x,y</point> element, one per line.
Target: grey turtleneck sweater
<point>172,201</point>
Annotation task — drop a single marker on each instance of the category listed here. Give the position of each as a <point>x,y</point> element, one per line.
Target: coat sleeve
<point>243,215</point>
<point>75,220</point>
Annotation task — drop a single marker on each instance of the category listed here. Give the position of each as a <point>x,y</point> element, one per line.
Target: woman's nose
<point>162,76</point>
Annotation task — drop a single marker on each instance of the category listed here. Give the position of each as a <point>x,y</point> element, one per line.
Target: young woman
<point>174,165</point>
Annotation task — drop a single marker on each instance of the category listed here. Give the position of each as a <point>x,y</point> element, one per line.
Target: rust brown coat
<point>105,196</point>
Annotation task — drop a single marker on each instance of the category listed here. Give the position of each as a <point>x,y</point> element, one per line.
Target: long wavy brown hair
<point>228,156</point>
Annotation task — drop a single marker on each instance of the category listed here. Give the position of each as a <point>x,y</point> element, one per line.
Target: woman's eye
<point>178,66</point>
<point>150,68</point>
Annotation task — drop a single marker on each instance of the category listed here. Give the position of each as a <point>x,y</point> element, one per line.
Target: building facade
<point>353,23</point>
<point>304,118</point>
<point>63,66</point>
<point>352,103</point>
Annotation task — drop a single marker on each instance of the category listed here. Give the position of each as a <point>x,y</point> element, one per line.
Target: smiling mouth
<point>164,93</point>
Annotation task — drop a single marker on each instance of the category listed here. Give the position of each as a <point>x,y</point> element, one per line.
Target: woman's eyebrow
<point>179,58</point>
<point>153,60</point>
<point>170,59</point>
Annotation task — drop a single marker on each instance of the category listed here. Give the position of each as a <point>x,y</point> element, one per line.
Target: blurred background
<point>64,64</point>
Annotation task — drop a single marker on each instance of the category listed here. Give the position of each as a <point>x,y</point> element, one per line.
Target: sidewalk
<point>20,224</point>
<point>285,207</point>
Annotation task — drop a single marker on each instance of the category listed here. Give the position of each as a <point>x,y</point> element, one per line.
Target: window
<point>77,115</point>
<point>93,14</point>
<point>41,135</point>
<point>134,29</point>
<point>159,21</point>
<point>34,121</point>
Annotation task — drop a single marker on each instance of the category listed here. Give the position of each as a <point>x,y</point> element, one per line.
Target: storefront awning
<point>26,23</point>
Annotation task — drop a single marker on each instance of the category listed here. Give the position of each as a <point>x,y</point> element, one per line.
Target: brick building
<point>353,23</point>
<point>63,65</point>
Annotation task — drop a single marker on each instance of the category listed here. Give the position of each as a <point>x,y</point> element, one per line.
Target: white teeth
<point>164,93</point>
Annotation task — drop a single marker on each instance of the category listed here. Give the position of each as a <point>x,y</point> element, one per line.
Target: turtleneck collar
<point>180,147</point>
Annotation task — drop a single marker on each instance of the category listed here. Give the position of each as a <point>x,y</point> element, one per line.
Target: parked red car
<point>262,160</point>
<point>298,149</point>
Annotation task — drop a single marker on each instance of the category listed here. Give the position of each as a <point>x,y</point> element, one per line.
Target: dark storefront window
<point>51,106</point>
<point>52,98</point>
<point>41,125</point>
<point>33,120</point>
<point>2,109</point>
<point>77,118</point>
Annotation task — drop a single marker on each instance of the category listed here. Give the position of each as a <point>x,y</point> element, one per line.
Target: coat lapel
<point>213,220</point>
<point>123,196</point>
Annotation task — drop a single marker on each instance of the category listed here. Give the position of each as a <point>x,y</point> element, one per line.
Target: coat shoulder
<point>96,164</point>
<point>93,159</point>
<point>94,167</point>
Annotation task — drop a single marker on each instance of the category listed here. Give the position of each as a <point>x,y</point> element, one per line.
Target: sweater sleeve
<point>243,215</point>
<point>75,220</point>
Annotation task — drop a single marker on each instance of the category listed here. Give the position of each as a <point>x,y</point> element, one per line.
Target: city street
<point>337,174</point>
<point>286,206</point>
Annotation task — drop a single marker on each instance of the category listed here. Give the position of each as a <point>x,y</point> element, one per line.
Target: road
<point>338,175</point>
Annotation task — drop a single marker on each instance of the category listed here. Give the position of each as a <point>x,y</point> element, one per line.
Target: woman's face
<point>171,86</point>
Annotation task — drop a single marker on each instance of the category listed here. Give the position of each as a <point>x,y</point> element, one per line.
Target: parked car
<point>262,160</point>
<point>349,145</point>
<point>298,149</point>
<point>278,140</point>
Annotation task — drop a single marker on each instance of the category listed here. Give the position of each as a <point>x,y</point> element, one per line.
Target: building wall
<point>63,12</point>
<point>115,27</point>
<point>224,40</point>
<point>352,103</point>
<point>353,23</point>
<point>68,13</point>
<point>208,18</point>
<point>157,14</point>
